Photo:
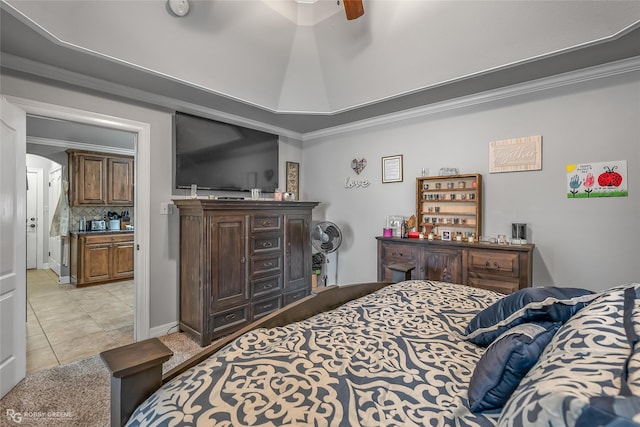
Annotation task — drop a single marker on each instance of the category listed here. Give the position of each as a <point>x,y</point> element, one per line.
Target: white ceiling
<point>304,67</point>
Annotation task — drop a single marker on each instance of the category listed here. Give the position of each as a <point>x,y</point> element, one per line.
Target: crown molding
<point>73,145</point>
<point>547,83</point>
<point>50,72</point>
<point>566,79</point>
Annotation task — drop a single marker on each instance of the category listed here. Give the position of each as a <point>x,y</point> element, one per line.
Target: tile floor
<point>65,323</point>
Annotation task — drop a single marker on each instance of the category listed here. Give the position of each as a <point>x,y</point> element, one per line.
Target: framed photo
<point>392,169</point>
<point>293,179</point>
<point>446,235</point>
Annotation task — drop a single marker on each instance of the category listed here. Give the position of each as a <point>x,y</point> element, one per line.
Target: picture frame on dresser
<point>446,235</point>
<point>293,179</point>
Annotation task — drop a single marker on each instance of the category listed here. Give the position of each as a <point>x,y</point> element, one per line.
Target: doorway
<point>65,323</point>
<point>142,200</point>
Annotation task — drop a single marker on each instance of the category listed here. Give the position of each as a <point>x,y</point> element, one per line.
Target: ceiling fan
<point>353,8</point>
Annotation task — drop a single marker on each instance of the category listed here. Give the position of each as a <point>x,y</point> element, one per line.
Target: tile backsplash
<point>94,212</point>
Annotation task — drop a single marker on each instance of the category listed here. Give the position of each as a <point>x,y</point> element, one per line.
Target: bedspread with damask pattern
<point>394,357</point>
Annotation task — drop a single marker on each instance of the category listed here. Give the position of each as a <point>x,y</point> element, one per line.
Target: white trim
<point>566,79</point>
<point>79,145</point>
<point>162,330</point>
<point>63,280</point>
<point>41,221</point>
<point>142,190</point>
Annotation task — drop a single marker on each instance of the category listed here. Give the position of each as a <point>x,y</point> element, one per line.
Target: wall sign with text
<point>516,155</point>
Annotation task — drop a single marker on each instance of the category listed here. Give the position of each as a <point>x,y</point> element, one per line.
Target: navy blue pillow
<point>551,304</point>
<point>611,411</point>
<point>505,362</point>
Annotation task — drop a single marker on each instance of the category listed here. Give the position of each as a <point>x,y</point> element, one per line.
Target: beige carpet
<point>76,394</point>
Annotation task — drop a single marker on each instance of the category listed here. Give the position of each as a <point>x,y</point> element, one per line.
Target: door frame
<point>142,191</point>
<point>40,263</point>
<point>52,209</point>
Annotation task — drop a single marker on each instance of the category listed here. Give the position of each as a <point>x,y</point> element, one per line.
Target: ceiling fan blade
<point>353,8</point>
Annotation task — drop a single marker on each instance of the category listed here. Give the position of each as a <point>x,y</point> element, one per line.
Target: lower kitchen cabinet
<point>101,257</point>
<point>497,267</point>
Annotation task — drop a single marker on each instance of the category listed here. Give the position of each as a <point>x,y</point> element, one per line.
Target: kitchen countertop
<point>102,232</point>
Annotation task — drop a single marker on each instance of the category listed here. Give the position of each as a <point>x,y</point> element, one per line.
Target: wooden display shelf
<point>452,203</point>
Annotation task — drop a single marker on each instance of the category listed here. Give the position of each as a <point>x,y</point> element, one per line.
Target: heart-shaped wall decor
<point>358,165</point>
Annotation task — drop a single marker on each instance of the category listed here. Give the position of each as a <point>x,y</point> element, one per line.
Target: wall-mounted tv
<point>221,156</point>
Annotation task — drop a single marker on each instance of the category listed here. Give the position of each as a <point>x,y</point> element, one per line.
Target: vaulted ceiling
<point>303,66</point>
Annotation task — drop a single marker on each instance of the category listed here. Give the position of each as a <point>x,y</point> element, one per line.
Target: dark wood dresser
<point>503,268</point>
<point>240,260</point>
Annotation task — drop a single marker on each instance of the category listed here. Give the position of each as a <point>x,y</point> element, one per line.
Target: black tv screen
<point>221,156</point>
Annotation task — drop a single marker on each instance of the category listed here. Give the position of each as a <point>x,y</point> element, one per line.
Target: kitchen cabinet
<point>120,181</point>
<point>502,268</point>
<point>240,260</point>
<point>101,257</point>
<point>100,179</point>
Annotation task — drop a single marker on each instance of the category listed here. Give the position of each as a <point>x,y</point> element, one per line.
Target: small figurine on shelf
<point>405,230</point>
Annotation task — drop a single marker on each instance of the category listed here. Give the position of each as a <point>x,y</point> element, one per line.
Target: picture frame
<point>392,169</point>
<point>446,235</point>
<point>293,179</point>
<point>394,222</point>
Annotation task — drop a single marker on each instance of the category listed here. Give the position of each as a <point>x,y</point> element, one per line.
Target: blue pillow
<point>551,304</point>
<point>610,411</point>
<point>505,362</point>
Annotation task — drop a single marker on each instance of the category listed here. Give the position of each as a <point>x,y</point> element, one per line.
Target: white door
<point>55,244</point>
<point>32,218</point>
<point>13,280</point>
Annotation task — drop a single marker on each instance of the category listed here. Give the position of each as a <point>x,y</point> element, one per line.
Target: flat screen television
<point>221,156</point>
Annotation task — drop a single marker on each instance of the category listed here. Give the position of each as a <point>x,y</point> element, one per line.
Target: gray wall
<point>590,243</point>
<point>579,242</point>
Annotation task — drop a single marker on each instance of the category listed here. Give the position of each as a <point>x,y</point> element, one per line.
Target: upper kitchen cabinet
<point>100,179</point>
<point>120,181</point>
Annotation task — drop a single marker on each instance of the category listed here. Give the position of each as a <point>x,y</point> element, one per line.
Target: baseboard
<point>162,330</point>
<point>63,280</point>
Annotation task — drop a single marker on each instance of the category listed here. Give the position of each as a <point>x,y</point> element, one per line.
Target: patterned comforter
<point>394,357</point>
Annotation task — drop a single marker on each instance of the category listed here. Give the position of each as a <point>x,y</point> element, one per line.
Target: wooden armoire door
<point>297,252</point>
<point>229,270</point>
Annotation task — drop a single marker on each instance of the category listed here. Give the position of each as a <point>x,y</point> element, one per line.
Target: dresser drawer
<point>261,223</point>
<point>261,308</point>
<point>504,286</point>
<point>294,296</point>
<point>398,253</point>
<point>262,243</point>
<point>265,286</point>
<point>229,319</point>
<point>266,264</point>
<point>495,263</point>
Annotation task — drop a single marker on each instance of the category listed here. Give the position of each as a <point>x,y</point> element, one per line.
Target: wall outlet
<point>166,208</point>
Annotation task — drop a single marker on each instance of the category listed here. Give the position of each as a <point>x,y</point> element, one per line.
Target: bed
<point>417,353</point>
